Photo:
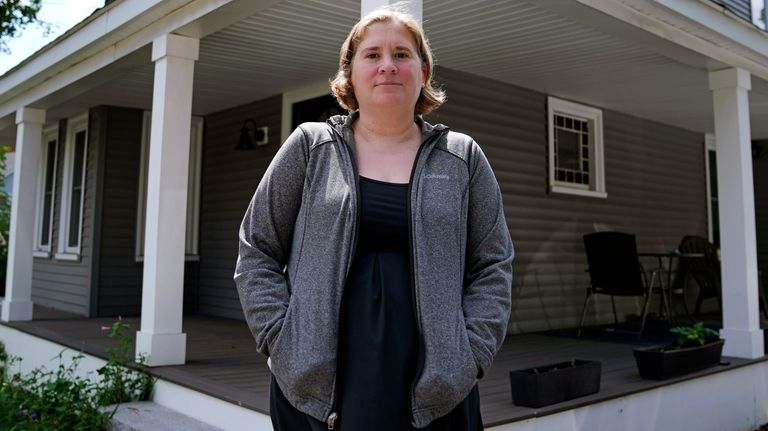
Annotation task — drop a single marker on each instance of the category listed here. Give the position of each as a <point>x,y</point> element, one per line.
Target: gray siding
<point>119,276</point>
<point>229,180</point>
<point>66,285</point>
<point>655,181</point>
<point>654,178</point>
<point>742,8</point>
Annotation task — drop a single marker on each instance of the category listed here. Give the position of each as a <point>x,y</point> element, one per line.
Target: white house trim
<point>300,94</point>
<point>413,7</point>
<point>17,304</point>
<point>709,145</point>
<point>51,133</point>
<point>596,188</point>
<point>160,337</point>
<point>111,35</point>
<point>657,409</point>
<point>666,30</point>
<point>64,250</point>
<point>741,317</point>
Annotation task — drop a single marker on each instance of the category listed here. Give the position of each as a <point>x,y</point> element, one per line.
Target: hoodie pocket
<point>450,370</point>
<point>468,345</point>
<point>275,349</point>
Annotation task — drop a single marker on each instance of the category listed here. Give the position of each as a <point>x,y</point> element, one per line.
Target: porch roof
<point>222,362</point>
<point>580,50</point>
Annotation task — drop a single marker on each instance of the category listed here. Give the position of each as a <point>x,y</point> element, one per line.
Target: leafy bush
<point>50,400</point>
<point>61,400</point>
<point>5,220</point>
<point>695,335</point>
<point>118,383</point>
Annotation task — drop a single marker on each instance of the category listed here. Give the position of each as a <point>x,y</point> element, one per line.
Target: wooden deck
<point>222,362</point>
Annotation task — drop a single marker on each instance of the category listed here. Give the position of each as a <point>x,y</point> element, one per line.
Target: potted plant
<point>553,383</point>
<point>697,348</point>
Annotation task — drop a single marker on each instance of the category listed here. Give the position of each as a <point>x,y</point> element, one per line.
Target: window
<point>713,208</point>
<point>73,188</point>
<point>313,102</point>
<point>575,149</point>
<point>193,188</point>
<point>45,195</point>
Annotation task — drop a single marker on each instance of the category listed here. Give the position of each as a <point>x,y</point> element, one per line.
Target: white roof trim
<point>110,35</point>
<point>709,19</point>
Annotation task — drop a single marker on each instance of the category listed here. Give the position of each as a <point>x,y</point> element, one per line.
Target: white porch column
<point>17,304</point>
<point>413,7</point>
<point>160,337</point>
<point>741,323</point>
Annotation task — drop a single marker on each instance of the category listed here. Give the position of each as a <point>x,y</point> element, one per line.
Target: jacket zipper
<point>333,416</point>
<point>414,296</point>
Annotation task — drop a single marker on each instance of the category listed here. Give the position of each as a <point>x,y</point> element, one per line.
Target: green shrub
<point>50,400</point>
<point>61,400</point>
<point>694,335</point>
<point>5,220</point>
<point>120,384</point>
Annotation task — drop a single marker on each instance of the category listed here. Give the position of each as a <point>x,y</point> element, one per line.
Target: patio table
<point>666,288</point>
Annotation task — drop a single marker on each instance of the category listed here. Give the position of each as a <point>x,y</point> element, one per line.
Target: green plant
<point>120,383</point>
<point>50,400</point>
<point>696,334</point>
<point>62,400</point>
<point>5,219</point>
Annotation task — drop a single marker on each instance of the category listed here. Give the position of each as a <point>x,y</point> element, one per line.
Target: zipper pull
<point>331,420</point>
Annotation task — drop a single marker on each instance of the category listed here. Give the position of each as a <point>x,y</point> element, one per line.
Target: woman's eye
<point>372,55</point>
<point>401,54</point>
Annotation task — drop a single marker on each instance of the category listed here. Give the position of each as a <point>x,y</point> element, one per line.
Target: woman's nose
<point>387,64</point>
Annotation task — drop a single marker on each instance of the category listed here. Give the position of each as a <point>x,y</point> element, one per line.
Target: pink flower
<point>105,328</point>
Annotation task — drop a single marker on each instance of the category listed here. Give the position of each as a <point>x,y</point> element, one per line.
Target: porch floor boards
<point>222,362</point>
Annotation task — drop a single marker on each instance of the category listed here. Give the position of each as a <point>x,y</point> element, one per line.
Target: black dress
<point>378,334</point>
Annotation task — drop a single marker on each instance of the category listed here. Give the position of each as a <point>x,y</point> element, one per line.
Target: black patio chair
<point>705,270</point>
<point>615,270</point>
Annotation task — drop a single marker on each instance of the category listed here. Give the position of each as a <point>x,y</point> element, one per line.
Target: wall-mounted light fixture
<point>260,136</point>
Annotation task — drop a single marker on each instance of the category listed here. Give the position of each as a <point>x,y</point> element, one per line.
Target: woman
<point>375,260</point>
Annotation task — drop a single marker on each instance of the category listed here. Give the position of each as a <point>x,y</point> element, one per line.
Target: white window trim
<point>191,246</point>
<point>555,105</point>
<point>39,250</point>
<point>300,94</point>
<point>709,145</point>
<point>64,251</point>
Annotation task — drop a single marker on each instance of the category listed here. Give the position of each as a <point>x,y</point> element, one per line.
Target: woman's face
<point>387,71</point>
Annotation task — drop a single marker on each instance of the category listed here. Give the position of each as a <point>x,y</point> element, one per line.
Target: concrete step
<point>149,416</point>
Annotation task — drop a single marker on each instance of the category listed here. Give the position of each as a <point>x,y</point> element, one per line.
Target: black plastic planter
<point>660,363</point>
<point>550,384</point>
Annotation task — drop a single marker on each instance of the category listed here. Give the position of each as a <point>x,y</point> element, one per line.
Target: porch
<point>222,363</point>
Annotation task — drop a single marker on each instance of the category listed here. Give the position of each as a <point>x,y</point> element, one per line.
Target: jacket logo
<point>437,176</point>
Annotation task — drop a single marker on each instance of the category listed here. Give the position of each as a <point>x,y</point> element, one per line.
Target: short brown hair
<point>431,96</point>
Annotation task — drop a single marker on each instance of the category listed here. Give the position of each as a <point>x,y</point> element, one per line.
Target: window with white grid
<point>45,195</point>
<point>575,149</point>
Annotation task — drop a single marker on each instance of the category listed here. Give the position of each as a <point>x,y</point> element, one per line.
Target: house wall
<point>742,8</point>
<point>65,285</point>
<point>229,179</point>
<point>655,179</point>
<point>118,274</point>
<point>111,202</point>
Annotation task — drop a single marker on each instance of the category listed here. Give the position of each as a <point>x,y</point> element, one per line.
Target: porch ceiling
<point>557,47</point>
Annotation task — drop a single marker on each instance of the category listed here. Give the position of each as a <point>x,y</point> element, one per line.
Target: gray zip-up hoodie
<point>297,242</point>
